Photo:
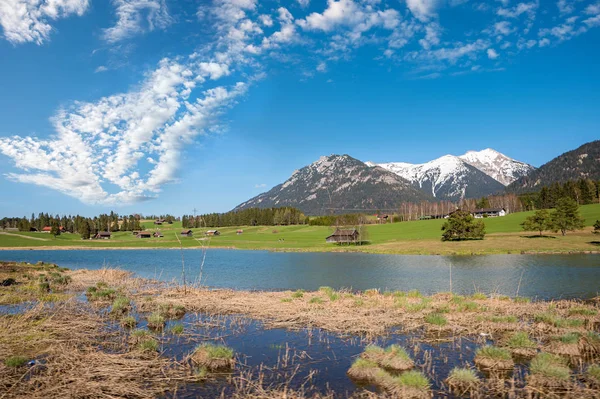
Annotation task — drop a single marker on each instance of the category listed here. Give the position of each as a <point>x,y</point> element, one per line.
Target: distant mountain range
<point>345,184</point>
<point>581,163</point>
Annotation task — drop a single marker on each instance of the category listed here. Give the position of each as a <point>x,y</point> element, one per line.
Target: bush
<point>461,225</point>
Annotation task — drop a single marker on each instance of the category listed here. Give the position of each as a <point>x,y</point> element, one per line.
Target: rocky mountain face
<point>342,183</point>
<point>496,165</point>
<point>581,163</point>
<point>446,178</point>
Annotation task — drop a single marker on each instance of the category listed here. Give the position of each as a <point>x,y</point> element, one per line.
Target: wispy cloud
<point>261,185</point>
<point>135,17</point>
<point>25,21</point>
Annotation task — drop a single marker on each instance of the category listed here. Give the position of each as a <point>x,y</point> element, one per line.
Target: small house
<point>158,234</point>
<point>144,234</point>
<point>187,233</point>
<point>159,221</point>
<point>213,233</point>
<point>343,236</point>
<point>33,229</point>
<point>382,219</point>
<point>46,229</point>
<point>488,212</point>
<point>135,232</point>
<point>102,235</point>
<point>239,232</point>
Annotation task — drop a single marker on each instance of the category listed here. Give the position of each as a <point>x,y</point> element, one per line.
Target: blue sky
<point>158,106</point>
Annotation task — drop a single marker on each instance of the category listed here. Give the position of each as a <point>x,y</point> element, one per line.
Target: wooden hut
<point>349,236</point>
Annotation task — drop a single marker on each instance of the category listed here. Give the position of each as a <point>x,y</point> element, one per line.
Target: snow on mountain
<point>497,165</point>
<point>340,182</point>
<point>448,177</point>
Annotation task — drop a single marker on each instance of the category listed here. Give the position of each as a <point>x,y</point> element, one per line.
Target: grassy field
<point>504,235</point>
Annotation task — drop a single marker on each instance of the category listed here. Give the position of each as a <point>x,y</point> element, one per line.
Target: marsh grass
<point>570,338</point>
<point>316,300</point>
<point>394,357</point>
<point>493,358</point>
<point>15,361</point>
<point>120,306</point>
<point>592,375</point>
<point>414,379</point>
<point>156,321</point>
<point>582,311</point>
<point>521,299</point>
<point>479,296</point>
<point>148,345</point>
<point>177,329</point>
<point>557,321</point>
<point>286,300</point>
<point>550,366</point>
<point>213,357</point>
<point>128,322</point>
<point>363,369</point>
<point>468,307</point>
<point>463,381</point>
<point>436,319</point>
<point>520,340</point>
<point>298,294</point>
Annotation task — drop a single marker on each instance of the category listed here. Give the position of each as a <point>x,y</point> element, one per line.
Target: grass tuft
<point>494,353</point>
<point>298,294</point>
<point>316,300</point>
<point>520,340</point>
<point>436,319</point>
<point>15,361</point>
<point>156,321</point>
<point>414,379</point>
<point>177,329</point>
<point>128,322</point>
<point>550,366</point>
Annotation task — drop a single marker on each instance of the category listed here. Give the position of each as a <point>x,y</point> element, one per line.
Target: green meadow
<point>504,235</point>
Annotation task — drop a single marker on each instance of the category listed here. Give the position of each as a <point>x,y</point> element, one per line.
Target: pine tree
<point>596,227</point>
<point>566,216</point>
<point>55,231</point>
<point>85,230</point>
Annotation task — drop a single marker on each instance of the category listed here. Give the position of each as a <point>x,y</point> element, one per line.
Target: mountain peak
<point>497,165</point>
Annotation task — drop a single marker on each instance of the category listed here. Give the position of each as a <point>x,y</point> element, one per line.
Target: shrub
<point>550,366</point>
<point>298,294</point>
<point>15,361</point>
<point>436,319</point>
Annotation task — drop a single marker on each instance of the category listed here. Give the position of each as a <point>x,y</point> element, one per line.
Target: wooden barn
<point>144,234</point>
<point>158,234</point>
<point>213,233</point>
<point>187,233</point>
<point>349,236</point>
<point>102,235</point>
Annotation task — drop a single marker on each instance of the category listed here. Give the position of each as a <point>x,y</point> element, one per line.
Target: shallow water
<point>538,276</point>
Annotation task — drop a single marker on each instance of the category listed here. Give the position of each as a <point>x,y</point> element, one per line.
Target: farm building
<point>102,235</point>
<point>489,212</point>
<point>382,219</point>
<point>187,233</point>
<point>239,232</point>
<point>158,234</point>
<point>343,236</point>
<point>46,229</point>
<point>144,234</point>
<point>213,233</point>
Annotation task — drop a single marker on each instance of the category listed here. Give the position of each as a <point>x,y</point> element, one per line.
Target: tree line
<point>85,226</point>
<point>283,216</point>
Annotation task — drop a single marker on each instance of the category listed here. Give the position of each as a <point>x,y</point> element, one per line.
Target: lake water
<point>540,276</point>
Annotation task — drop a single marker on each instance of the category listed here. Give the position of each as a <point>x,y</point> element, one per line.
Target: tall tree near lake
<point>566,216</point>
<point>55,229</point>
<point>539,221</point>
<point>461,225</point>
<point>596,227</point>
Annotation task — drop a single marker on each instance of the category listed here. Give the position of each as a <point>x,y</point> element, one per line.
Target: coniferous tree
<point>596,227</point>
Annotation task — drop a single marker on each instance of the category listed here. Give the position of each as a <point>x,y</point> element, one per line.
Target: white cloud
<point>422,9</point>
<point>492,54</point>
<point>25,21</point>
<point>101,68</point>
<point>322,67</point>
<point>303,3</point>
<point>135,17</point>
<point>565,6</point>
<point>519,9</point>
<point>261,185</point>
<point>503,28</point>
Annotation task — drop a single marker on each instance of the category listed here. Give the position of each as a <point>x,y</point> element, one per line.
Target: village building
<point>144,234</point>
<point>343,236</point>
<point>382,219</point>
<point>102,235</point>
<point>187,233</point>
<point>213,233</point>
<point>46,229</point>
<point>488,212</point>
<point>239,232</point>
<point>158,234</point>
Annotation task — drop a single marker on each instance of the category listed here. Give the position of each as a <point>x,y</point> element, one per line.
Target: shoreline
<point>302,250</point>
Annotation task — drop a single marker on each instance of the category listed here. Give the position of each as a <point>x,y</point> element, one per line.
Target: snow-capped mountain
<point>340,182</point>
<point>496,165</point>
<point>446,178</point>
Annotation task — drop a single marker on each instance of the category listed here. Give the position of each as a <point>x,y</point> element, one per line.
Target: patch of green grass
<point>148,345</point>
<point>521,299</point>
<point>398,352</point>
<point>582,311</point>
<point>480,296</point>
<point>461,375</point>
<point>15,361</point>
<point>457,299</point>
<point>120,305</point>
<point>216,351</point>
<point>334,297</point>
<point>436,319</point>
<point>286,300</point>
<point>557,321</point>
<point>202,373</point>
<point>59,279</point>
<point>156,321</point>
<point>359,302</point>
<point>298,294</point>
<point>551,366</point>
<point>443,309</point>
<point>326,290</point>
<point>128,322</point>
<point>502,319</point>
<point>493,352</point>
<point>361,363</point>
<point>416,307</point>
<point>177,329</point>
<point>468,307</point>
<point>413,379</point>
<point>593,371</point>
<point>316,300</point>
<point>139,333</point>
<point>414,294</point>
<point>569,338</point>
<point>43,286</point>
<point>520,340</point>
<point>399,294</point>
